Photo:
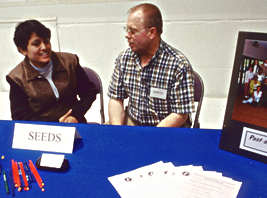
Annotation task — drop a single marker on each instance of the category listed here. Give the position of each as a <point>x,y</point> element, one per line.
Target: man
<point>157,78</point>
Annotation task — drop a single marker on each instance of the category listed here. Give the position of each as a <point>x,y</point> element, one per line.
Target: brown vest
<point>41,97</point>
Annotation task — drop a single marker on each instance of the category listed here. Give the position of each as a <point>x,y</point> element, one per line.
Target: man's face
<point>136,32</point>
<point>38,50</point>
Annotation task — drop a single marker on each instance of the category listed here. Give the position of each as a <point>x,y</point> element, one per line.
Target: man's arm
<point>173,120</point>
<point>116,112</point>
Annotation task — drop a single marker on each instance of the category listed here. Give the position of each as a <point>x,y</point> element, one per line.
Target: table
<point>109,150</point>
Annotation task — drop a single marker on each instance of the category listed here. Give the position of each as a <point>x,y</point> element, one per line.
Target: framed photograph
<point>245,122</point>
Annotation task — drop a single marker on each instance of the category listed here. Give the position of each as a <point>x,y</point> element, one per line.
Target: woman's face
<point>38,50</point>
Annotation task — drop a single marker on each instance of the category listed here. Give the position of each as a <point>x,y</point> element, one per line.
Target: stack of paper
<point>161,179</point>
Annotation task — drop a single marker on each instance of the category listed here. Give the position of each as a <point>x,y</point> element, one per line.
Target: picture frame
<point>244,129</point>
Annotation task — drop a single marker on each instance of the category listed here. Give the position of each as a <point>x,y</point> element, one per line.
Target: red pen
<point>36,175</point>
<point>26,184</point>
<point>17,179</point>
<point>14,173</point>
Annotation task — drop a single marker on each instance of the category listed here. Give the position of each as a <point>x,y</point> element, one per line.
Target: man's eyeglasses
<point>133,31</point>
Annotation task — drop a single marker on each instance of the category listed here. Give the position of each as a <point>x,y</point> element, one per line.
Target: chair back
<point>94,77</point>
<point>198,96</point>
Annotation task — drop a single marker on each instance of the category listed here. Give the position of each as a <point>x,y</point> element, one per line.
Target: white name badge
<point>43,137</point>
<point>254,141</point>
<point>158,93</point>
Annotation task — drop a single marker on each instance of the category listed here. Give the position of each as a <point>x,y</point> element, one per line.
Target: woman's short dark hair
<point>25,29</point>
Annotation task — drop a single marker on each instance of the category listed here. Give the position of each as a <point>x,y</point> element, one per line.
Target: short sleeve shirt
<point>164,86</point>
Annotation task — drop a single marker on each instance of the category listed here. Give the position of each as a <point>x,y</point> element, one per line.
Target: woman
<point>254,83</point>
<point>45,85</point>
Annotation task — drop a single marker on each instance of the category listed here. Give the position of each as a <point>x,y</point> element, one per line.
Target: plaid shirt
<point>168,70</point>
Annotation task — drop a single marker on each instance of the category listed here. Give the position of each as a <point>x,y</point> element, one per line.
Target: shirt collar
<point>43,69</point>
<point>33,73</point>
<point>161,47</point>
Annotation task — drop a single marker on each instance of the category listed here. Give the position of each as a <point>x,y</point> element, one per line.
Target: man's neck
<point>149,53</point>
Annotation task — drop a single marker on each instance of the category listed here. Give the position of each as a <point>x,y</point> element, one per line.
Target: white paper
<point>165,180</point>
<point>51,160</point>
<point>126,183</point>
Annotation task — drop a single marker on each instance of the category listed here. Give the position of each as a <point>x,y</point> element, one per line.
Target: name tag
<point>43,137</point>
<point>158,93</point>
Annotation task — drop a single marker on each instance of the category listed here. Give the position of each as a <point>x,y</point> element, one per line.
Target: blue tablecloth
<point>109,150</point>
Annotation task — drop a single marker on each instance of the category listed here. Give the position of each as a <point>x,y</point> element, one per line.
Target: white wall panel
<point>205,31</point>
<point>97,46</point>
<point>210,47</point>
<point>212,9</point>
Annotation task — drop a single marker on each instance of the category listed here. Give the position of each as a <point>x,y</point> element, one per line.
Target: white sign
<point>43,137</point>
<point>51,160</point>
<point>254,141</point>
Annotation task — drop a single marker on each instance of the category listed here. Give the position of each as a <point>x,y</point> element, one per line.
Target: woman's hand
<point>67,118</point>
